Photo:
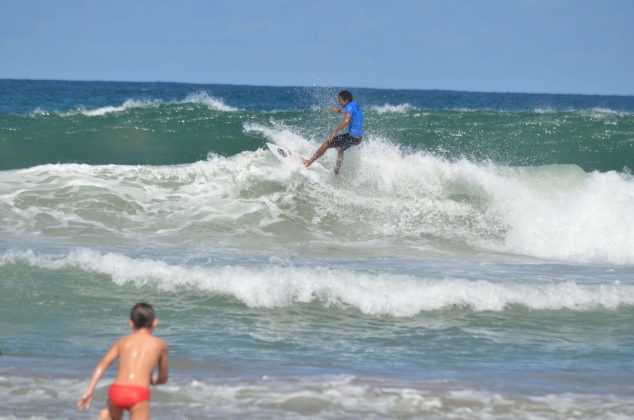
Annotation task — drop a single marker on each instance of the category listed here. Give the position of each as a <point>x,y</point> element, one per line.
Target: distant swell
<point>204,98</point>
<point>129,104</point>
<point>199,98</point>
<point>386,108</point>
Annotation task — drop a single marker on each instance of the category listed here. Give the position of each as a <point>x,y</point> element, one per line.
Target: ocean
<point>474,258</point>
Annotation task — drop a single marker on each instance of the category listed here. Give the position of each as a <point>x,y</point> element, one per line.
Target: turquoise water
<point>474,258</point>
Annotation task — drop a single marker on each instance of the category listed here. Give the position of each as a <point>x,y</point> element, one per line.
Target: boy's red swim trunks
<point>127,396</point>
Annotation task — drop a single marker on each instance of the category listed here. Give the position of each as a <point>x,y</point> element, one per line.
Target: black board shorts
<point>344,141</point>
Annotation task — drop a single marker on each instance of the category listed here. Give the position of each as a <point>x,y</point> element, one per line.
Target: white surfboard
<point>285,155</point>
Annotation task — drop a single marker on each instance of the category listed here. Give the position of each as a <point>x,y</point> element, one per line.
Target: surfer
<point>138,353</point>
<point>353,118</point>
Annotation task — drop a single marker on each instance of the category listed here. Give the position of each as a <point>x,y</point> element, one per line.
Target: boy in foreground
<point>138,353</point>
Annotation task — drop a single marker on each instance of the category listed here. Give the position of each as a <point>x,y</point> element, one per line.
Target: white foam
<point>128,104</point>
<point>545,110</point>
<point>130,202</point>
<point>589,221</point>
<point>212,102</point>
<point>315,397</point>
<point>39,111</point>
<point>552,212</point>
<point>39,397</point>
<point>284,136</point>
<point>387,108</point>
<point>201,98</point>
<point>592,112</point>
<point>600,113</point>
<point>371,293</point>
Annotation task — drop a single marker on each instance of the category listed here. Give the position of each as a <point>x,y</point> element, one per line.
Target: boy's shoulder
<point>160,341</point>
<point>144,337</point>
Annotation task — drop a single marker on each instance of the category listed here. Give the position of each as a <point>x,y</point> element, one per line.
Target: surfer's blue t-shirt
<point>355,126</point>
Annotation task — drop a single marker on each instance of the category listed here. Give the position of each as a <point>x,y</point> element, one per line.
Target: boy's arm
<point>84,401</point>
<point>163,366</point>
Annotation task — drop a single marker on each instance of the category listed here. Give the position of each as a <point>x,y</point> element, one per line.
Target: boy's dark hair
<point>142,315</point>
<point>345,95</point>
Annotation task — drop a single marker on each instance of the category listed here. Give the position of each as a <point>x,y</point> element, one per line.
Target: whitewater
<point>558,213</point>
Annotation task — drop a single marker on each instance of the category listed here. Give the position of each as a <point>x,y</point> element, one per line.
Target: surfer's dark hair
<point>142,315</point>
<point>345,95</point>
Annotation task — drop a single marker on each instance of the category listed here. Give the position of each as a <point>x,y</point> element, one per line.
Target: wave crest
<point>204,98</point>
<point>275,286</point>
<point>387,108</point>
<point>200,98</point>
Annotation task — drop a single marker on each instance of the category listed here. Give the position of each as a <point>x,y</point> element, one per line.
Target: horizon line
<point>314,86</point>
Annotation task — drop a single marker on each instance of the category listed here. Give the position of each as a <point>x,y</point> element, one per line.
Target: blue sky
<point>562,46</point>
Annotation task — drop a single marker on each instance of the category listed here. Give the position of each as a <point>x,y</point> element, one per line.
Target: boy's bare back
<point>139,354</point>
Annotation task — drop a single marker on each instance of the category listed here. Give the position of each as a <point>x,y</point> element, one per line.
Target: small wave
<point>128,104</point>
<point>375,294</point>
<point>200,98</point>
<point>546,110</point>
<point>592,112</point>
<point>387,108</point>
<point>605,113</point>
<point>203,98</point>
<point>39,111</point>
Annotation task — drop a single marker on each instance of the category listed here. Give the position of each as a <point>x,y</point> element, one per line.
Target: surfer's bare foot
<point>307,162</point>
